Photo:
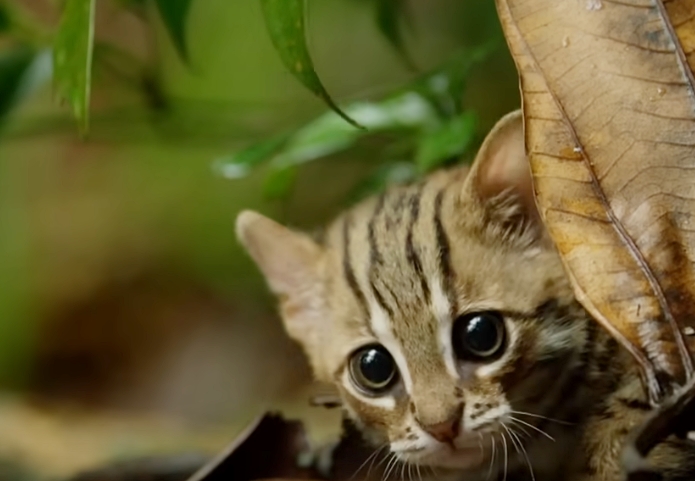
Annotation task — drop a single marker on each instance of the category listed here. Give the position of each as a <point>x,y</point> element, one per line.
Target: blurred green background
<point>123,293</point>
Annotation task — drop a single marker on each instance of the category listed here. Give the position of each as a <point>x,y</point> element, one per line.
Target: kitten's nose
<point>446,431</point>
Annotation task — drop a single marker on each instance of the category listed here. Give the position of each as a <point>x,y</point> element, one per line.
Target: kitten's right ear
<point>500,180</point>
<point>290,263</point>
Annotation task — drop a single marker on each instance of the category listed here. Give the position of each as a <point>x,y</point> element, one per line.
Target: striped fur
<point>399,269</point>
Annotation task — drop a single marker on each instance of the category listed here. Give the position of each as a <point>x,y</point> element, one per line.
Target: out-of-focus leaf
<point>382,177</point>
<point>241,164</point>
<point>445,86</point>
<point>450,139</point>
<point>22,71</point>
<point>5,21</point>
<point>329,134</point>
<point>286,22</point>
<point>73,57</point>
<point>174,14</point>
<point>389,14</point>
<point>279,182</point>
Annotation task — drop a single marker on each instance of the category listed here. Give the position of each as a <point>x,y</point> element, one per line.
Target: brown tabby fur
<point>398,269</point>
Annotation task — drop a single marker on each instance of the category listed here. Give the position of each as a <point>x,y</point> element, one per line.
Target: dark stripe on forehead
<point>348,272</point>
<point>410,252</point>
<point>374,255</point>
<point>445,269</point>
<point>375,258</point>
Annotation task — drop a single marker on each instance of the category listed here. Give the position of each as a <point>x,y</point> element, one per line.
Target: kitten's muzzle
<point>446,431</point>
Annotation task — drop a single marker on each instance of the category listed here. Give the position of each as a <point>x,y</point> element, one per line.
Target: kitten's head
<point>440,310</point>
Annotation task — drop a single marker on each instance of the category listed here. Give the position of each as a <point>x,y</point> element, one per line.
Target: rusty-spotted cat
<point>442,313</point>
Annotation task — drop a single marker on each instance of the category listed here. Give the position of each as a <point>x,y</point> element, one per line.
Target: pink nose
<point>446,431</point>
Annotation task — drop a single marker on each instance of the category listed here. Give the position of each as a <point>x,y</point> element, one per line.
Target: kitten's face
<point>438,310</point>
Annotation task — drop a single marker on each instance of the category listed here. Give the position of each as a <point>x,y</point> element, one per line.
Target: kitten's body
<point>402,272</point>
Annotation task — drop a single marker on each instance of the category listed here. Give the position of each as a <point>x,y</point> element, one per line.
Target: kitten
<point>442,313</point>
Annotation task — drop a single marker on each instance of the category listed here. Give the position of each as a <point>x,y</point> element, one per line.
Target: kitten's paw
<point>319,458</point>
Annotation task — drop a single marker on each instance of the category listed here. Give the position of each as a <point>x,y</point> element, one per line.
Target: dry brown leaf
<point>609,107</point>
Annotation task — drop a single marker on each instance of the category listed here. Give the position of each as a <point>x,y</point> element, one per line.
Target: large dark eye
<point>372,369</point>
<point>479,336</point>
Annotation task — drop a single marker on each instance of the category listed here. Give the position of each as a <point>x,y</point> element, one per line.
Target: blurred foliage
<point>72,56</point>
<point>177,97</point>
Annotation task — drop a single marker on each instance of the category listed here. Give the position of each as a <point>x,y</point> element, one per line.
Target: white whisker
<point>524,454</point>
<point>520,427</point>
<point>389,466</point>
<point>492,458</point>
<point>504,426</point>
<point>506,457</point>
<point>533,427</point>
<point>370,457</point>
<point>523,413</point>
<point>378,452</point>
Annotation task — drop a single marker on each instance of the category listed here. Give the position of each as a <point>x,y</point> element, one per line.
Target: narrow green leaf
<point>450,140</point>
<point>446,85</point>
<point>389,14</point>
<point>73,57</point>
<point>22,71</point>
<point>279,182</point>
<point>328,134</point>
<point>241,164</point>
<point>286,22</point>
<point>174,14</point>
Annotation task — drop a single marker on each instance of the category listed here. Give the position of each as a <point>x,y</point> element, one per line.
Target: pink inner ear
<point>506,167</point>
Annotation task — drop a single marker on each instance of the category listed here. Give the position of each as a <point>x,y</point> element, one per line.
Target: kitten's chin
<point>445,458</point>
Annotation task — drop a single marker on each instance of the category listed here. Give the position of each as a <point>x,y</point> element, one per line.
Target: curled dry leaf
<point>609,105</point>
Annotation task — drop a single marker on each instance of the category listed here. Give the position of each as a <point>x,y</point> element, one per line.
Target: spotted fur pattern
<point>399,269</point>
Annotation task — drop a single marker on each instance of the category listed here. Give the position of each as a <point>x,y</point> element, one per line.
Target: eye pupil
<point>373,370</point>
<point>376,366</point>
<point>479,336</point>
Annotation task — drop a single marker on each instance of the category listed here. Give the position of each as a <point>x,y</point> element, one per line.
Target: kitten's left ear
<point>500,180</point>
<point>290,262</point>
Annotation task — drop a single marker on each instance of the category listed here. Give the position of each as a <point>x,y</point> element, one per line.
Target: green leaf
<point>5,20</point>
<point>329,134</point>
<point>286,23</point>
<point>241,164</point>
<point>73,58</point>
<point>445,86</point>
<point>22,71</point>
<point>279,182</point>
<point>448,141</point>
<point>388,16</point>
<point>174,14</point>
